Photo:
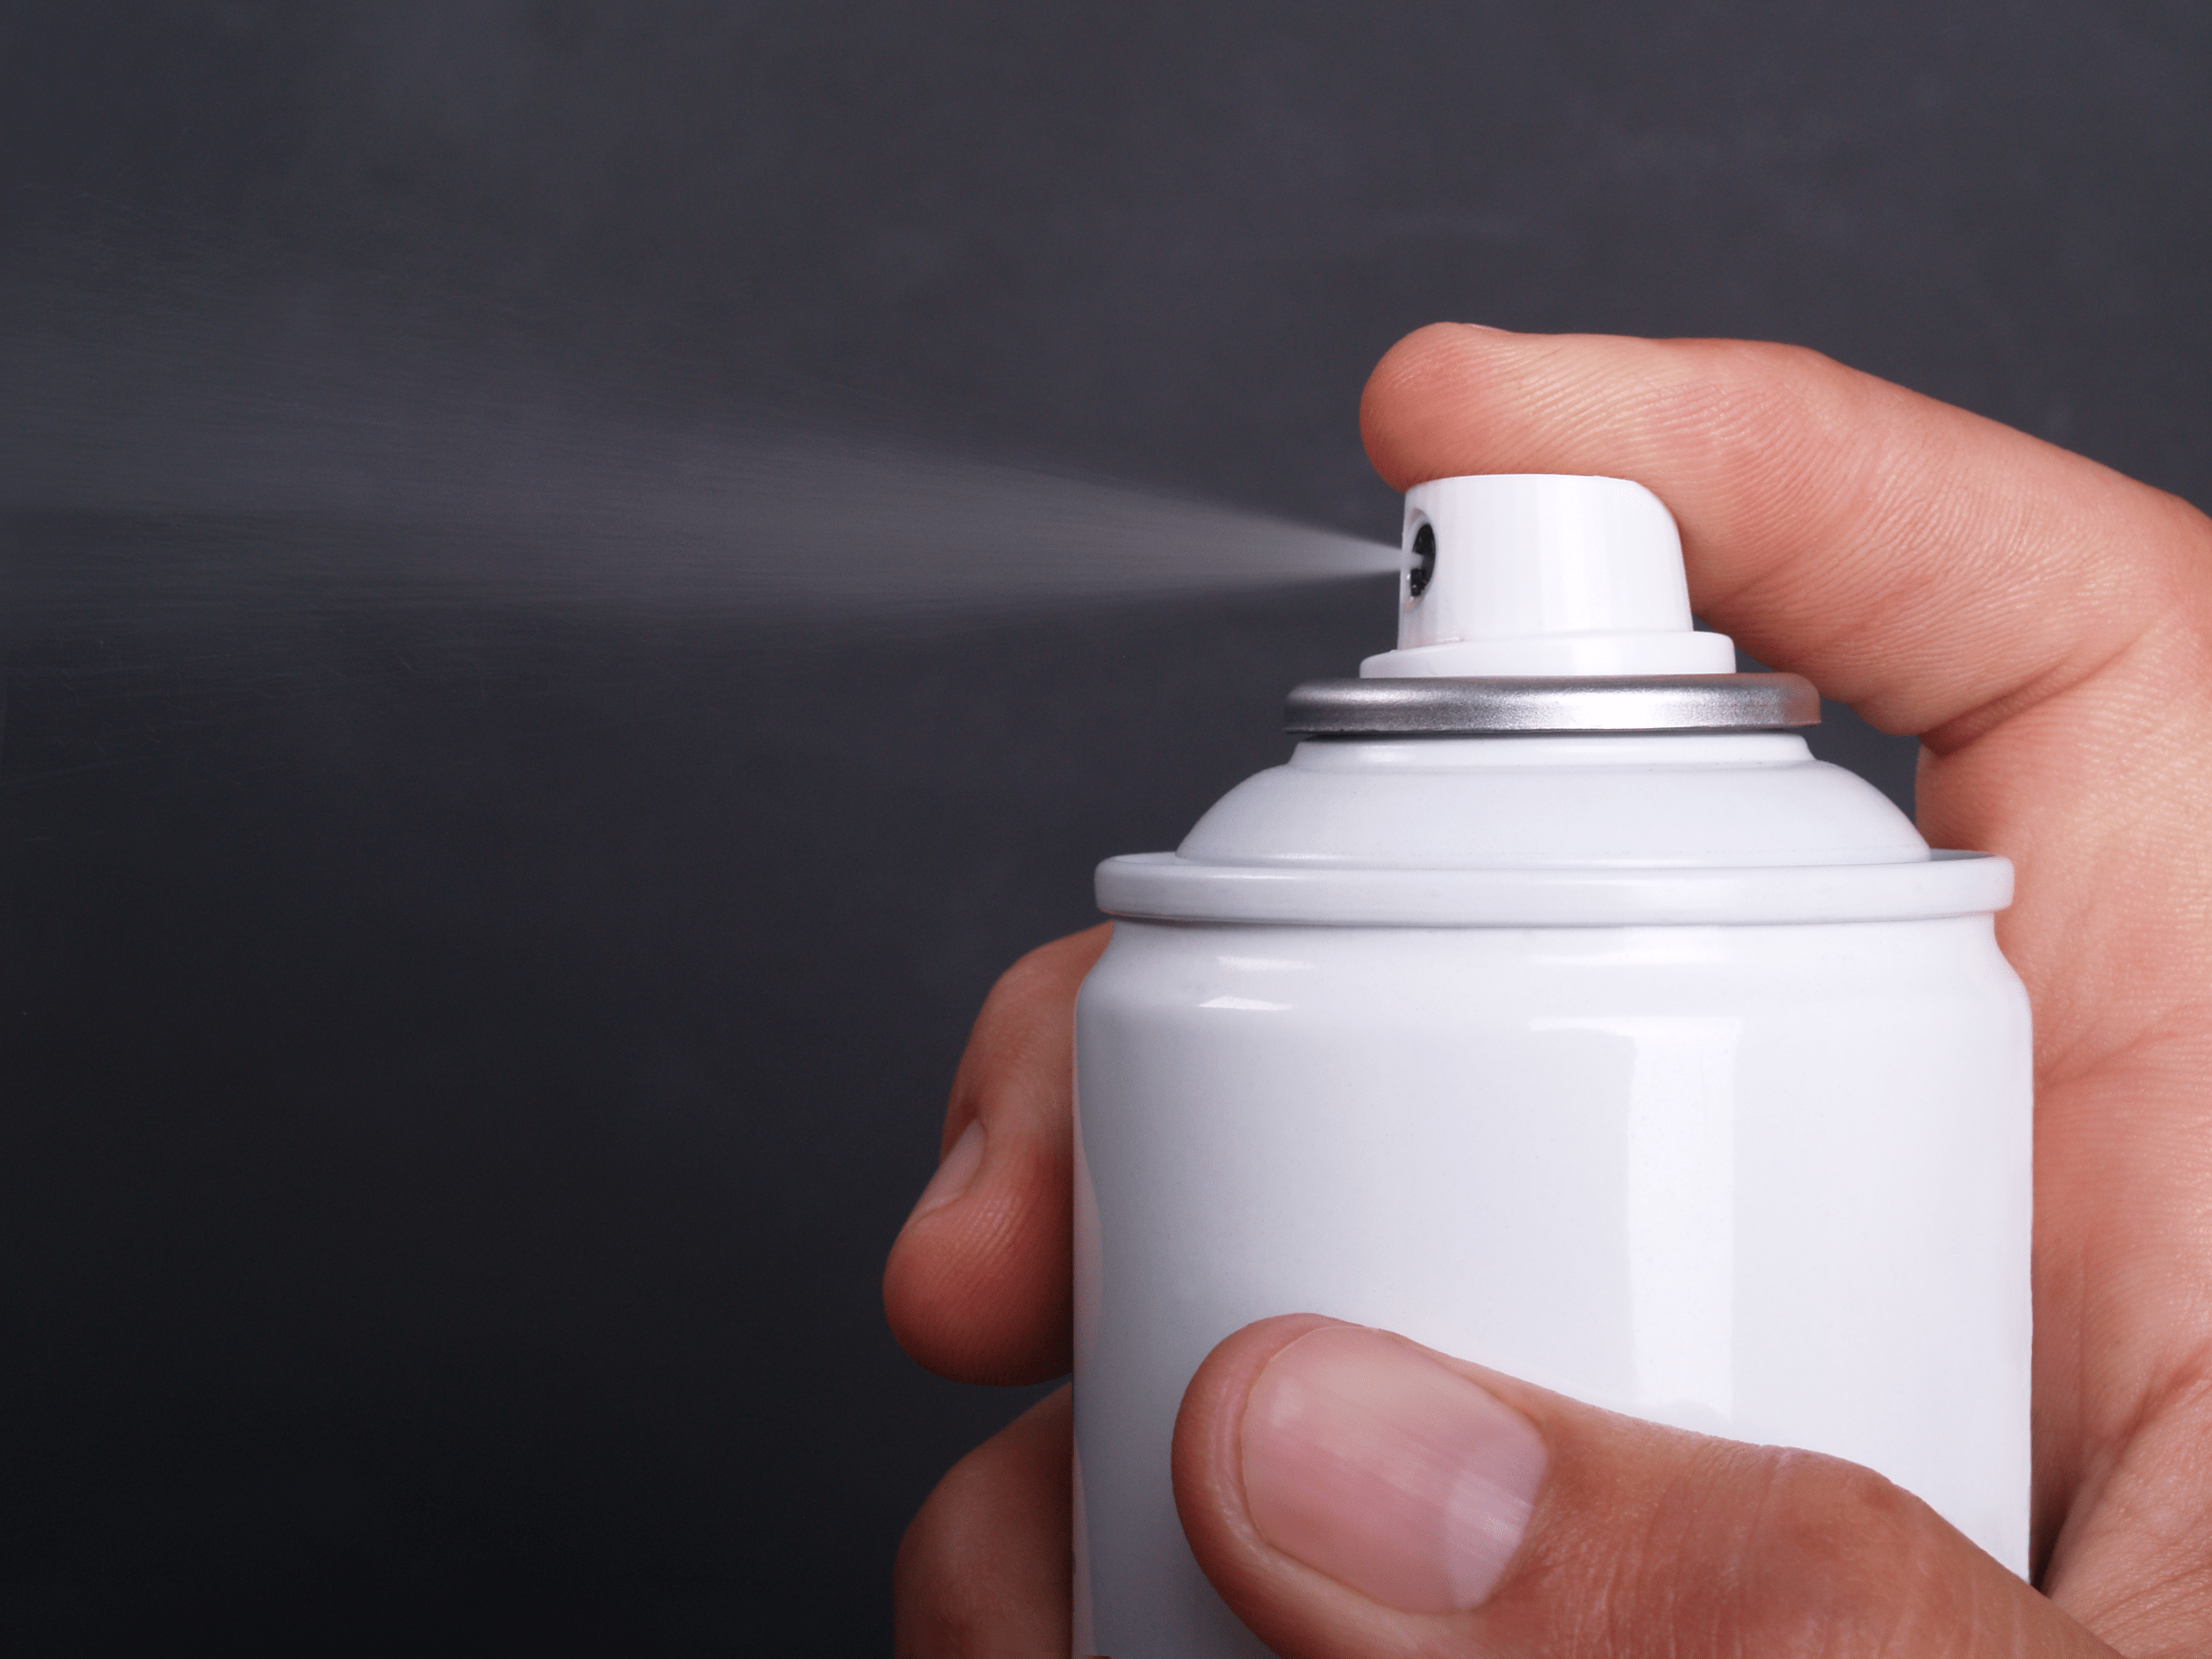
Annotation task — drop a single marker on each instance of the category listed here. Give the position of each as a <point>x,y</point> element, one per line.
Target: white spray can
<point>1555,1008</point>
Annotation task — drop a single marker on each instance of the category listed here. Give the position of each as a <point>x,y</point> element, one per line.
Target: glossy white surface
<point>1755,797</point>
<point>1766,1182</point>
<point>1541,574</point>
<point>1762,1171</point>
<point>1553,831</point>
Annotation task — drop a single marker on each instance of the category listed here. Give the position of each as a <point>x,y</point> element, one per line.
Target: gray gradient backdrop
<point>466,1054</point>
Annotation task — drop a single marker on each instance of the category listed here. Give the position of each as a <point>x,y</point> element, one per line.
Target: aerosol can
<point>1555,1008</point>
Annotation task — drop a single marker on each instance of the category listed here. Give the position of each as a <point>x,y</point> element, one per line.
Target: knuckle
<point>1018,1062</point>
<point>933,1616</point>
<point>1822,1505</point>
<point>1781,1554</point>
<point>1841,1561</point>
<point>1741,395</point>
<point>948,1552</point>
<point>983,1567</point>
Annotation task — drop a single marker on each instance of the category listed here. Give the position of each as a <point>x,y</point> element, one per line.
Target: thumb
<point>1349,1493</point>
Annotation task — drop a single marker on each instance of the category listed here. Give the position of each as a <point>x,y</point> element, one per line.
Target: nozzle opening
<point>1425,560</point>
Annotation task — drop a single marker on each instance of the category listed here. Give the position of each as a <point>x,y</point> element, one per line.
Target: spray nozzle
<point>1531,574</point>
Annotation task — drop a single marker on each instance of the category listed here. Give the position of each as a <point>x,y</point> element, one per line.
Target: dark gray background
<point>465,1058</point>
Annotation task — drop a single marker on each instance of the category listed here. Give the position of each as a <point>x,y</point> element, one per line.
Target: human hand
<point>2045,625</point>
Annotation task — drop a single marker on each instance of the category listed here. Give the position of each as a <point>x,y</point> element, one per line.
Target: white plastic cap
<point>1527,574</point>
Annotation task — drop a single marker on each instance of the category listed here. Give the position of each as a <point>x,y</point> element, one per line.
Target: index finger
<point>1935,569</point>
<point>2043,622</point>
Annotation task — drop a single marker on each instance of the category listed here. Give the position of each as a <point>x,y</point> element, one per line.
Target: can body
<point>1769,1180</point>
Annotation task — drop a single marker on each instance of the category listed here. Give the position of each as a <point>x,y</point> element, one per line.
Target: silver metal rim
<point>1461,708</point>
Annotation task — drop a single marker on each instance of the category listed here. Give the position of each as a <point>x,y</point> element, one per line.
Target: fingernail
<point>954,1174</point>
<point>1376,1465</point>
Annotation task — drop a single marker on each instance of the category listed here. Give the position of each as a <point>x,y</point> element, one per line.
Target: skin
<point>2044,625</point>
